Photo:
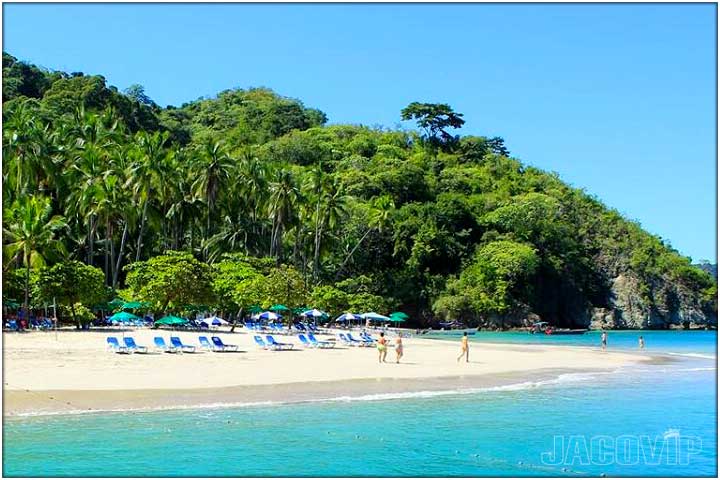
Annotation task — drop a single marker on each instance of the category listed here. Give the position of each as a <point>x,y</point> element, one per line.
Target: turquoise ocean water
<point>650,420</point>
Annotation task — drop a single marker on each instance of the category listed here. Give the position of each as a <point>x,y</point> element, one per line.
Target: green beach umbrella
<point>11,303</point>
<point>123,317</point>
<point>279,308</point>
<point>134,305</point>
<point>171,320</point>
<point>255,309</point>
<point>402,315</point>
<point>396,319</point>
<point>116,302</point>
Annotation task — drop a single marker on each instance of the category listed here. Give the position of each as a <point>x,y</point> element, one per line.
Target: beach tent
<point>314,313</point>
<point>348,317</point>
<point>279,308</point>
<point>123,317</point>
<point>269,316</point>
<point>214,320</point>
<point>171,320</point>
<point>375,316</point>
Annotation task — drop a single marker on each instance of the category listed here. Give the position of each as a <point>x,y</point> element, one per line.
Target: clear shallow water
<point>499,432</point>
<point>661,341</point>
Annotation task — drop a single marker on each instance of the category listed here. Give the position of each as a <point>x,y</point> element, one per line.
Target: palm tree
<point>284,196</point>
<point>29,232</point>
<point>212,169</point>
<point>331,211</point>
<point>145,174</point>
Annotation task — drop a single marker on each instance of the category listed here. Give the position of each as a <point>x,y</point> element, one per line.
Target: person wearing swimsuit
<point>382,348</point>
<point>465,349</point>
<point>398,347</point>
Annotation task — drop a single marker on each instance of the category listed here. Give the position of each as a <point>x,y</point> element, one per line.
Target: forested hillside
<point>251,198</point>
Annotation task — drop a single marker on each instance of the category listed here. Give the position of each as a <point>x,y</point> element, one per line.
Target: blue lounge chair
<point>367,337</point>
<point>177,343</point>
<point>300,327</point>
<point>12,325</point>
<point>363,342</point>
<point>134,347</point>
<point>223,347</point>
<point>205,344</point>
<point>279,346</point>
<point>163,347</point>
<point>346,341</point>
<point>261,343</point>
<point>114,345</point>
<point>306,342</point>
<point>320,344</point>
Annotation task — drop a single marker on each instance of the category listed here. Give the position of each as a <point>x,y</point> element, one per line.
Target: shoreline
<point>25,403</point>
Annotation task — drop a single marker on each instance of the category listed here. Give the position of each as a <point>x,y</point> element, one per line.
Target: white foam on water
<point>692,355</point>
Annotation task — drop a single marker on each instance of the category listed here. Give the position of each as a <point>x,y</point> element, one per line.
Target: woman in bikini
<point>465,349</point>
<point>398,347</point>
<point>382,348</point>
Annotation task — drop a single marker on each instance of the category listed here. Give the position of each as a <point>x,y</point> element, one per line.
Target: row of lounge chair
<point>280,328</point>
<point>365,340</point>
<point>176,345</point>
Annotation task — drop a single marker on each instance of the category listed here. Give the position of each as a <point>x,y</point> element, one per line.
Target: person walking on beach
<point>464,348</point>
<point>603,340</point>
<point>641,343</point>
<point>398,347</point>
<point>382,348</point>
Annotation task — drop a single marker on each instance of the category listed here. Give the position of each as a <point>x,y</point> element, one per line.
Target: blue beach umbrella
<point>269,316</point>
<point>314,313</point>
<point>348,317</point>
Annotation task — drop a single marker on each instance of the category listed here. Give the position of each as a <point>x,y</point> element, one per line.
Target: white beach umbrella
<point>214,320</point>
<point>315,313</point>
<point>374,316</point>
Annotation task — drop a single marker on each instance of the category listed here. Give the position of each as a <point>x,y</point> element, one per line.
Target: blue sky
<point>618,99</point>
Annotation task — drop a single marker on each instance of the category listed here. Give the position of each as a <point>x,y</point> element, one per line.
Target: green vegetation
<point>249,198</point>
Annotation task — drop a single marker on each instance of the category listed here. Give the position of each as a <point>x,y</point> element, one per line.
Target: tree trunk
<point>340,270</point>
<point>120,254</point>
<point>27,289</point>
<point>140,234</point>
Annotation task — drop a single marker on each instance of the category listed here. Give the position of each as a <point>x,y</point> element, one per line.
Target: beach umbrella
<point>279,308</point>
<point>348,317</point>
<point>255,309</point>
<point>269,316</point>
<point>116,302</point>
<point>374,316</point>
<point>123,317</point>
<point>134,305</point>
<point>398,317</point>
<point>314,313</point>
<point>171,320</point>
<point>214,320</point>
<point>11,303</point>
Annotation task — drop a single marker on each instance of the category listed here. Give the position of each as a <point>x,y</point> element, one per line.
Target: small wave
<point>692,355</point>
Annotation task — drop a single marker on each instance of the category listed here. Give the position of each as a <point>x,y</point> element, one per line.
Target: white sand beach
<point>74,371</point>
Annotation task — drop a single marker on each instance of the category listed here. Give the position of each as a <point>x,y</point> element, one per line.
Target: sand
<point>72,370</point>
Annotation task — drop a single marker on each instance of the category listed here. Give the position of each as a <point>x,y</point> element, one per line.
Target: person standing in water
<point>641,342</point>
<point>603,340</point>
<point>382,348</point>
<point>464,348</point>
<point>398,347</point>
